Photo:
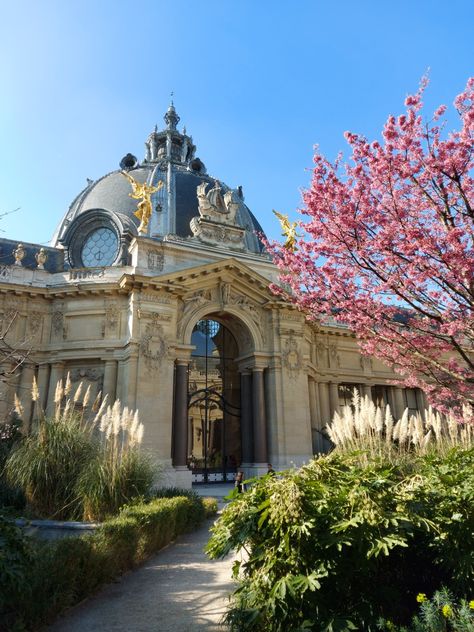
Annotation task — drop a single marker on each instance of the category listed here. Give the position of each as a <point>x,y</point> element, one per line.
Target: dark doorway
<point>214,448</point>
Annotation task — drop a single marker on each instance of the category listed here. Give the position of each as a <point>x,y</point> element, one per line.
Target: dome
<point>105,211</point>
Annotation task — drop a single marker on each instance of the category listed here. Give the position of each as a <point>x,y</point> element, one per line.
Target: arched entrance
<point>214,434</point>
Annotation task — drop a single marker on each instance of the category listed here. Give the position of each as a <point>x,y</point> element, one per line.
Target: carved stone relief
<point>153,345</point>
<point>366,363</point>
<point>58,323</point>
<point>243,303</point>
<point>334,358</point>
<point>35,322</point>
<point>292,357</point>
<point>111,319</point>
<point>189,304</point>
<point>322,355</point>
<point>89,374</point>
<point>155,259</point>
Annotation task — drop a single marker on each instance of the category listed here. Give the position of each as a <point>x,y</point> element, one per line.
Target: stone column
<point>325,411</point>
<point>333,398</point>
<point>110,380</point>
<point>259,419</point>
<point>42,381</point>
<point>56,374</point>
<point>399,402</point>
<point>26,382</point>
<point>316,423</point>
<point>246,425</point>
<point>6,396</point>
<point>367,391</point>
<point>180,417</point>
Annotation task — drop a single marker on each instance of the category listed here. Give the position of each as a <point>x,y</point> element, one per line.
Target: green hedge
<point>346,540</point>
<point>60,574</point>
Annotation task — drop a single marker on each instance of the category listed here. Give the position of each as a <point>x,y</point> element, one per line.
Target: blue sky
<point>257,84</point>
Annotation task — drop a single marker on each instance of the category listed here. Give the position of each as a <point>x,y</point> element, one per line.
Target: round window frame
<point>86,239</point>
<point>85,226</point>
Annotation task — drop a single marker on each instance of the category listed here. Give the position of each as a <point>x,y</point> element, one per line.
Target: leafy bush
<point>10,436</point>
<point>15,559</point>
<point>348,539</point>
<point>210,507</point>
<point>62,573</point>
<point>439,614</point>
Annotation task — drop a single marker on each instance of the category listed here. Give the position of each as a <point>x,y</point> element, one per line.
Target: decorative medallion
<point>153,345</point>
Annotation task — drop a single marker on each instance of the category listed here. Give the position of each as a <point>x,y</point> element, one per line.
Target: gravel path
<point>177,590</point>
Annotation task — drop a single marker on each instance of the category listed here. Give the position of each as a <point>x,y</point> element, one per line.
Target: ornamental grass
<point>84,462</point>
<point>363,426</point>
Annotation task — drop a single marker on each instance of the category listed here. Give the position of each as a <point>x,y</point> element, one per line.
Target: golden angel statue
<point>289,231</point>
<point>143,193</point>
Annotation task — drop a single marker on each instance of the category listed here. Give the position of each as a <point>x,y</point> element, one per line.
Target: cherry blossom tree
<point>387,248</point>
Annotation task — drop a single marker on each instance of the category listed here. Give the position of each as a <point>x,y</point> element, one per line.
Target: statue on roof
<point>142,192</point>
<point>215,206</point>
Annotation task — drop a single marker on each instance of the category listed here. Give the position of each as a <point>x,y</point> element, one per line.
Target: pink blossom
<point>388,248</point>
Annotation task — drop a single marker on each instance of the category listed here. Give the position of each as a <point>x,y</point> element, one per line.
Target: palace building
<point>162,300</point>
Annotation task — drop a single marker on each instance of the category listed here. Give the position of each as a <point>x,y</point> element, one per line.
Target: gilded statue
<point>143,193</point>
<point>289,231</point>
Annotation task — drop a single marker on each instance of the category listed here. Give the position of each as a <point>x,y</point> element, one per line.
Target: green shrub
<point>210,507</point>
<point>61,573</point>
<point>348,539</point>
<point>15,560</point>
<point>10,495</point>
<point>439,614</point>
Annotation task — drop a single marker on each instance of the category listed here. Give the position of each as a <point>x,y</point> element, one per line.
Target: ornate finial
<point>156,128</point>
<point>41,258</point>
<point>171,118</point>
<point>143,193</point>
<point>19,253</point>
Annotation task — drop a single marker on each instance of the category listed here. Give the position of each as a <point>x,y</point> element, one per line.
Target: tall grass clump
<point>119,471</point>
<point>47,464</point>
<point>77,466</point>
<point>365,427</point>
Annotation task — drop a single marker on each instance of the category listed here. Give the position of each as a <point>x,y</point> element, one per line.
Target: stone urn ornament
<point>41,258</point>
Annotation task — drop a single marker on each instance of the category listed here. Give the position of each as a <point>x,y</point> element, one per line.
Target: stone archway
<point>214,434</point>
<point>219,421</point>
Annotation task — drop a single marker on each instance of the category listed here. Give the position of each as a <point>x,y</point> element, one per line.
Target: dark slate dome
<point>105,205</point>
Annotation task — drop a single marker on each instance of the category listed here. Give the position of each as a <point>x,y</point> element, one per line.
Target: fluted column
<point>367,391</point>
<point>110,380</point>
<point>26,382</point>
<point>246,417</point>
<point>56,374</point>
<point>333,398</point>
<point>259,418</point>
<point>6,397</point>
<point>42,381</point>
<point>180,416</point>
<point>399,402</point>
<point>325,410</point>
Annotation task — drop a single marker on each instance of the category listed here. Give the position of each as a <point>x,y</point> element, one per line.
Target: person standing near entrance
<point>239,482</point>
<point>270,470</point>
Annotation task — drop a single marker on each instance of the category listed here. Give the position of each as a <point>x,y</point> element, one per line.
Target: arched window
<point>214,447</point>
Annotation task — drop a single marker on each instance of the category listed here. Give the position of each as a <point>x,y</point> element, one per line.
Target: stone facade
<point>126,329</point>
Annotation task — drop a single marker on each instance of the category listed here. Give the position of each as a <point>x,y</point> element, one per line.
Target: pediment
<point>229,275</point>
